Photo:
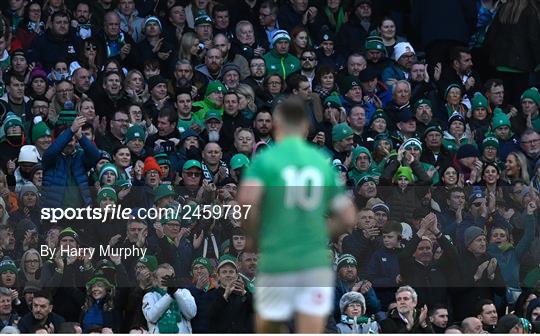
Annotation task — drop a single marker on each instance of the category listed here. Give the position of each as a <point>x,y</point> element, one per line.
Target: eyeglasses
<point>274,83</point>
<point>264,15</point>
<point>91,47</point>
<point>308,59</point>
<point>193,174</point>
<point>530,142</point>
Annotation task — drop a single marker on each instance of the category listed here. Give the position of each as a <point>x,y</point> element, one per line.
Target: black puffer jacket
<point>516,45</point>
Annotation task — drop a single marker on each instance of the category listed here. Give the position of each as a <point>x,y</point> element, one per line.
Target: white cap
<point>29,153</point>
<point>402,48</point>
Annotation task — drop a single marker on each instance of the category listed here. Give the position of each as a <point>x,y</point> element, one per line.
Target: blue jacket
<point>394,71</point>
<point>509,260</point>
<point>382,270</point>
<point>55,169</point>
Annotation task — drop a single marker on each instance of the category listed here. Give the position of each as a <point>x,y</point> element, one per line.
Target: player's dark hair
<point>292,111</point>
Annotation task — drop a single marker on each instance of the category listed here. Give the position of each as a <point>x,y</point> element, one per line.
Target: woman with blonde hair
<point>515,168</point>
<point>189,48</point>
<point>31,264</point>
<point>135,87</point>
<point>99,307</point>
<point>246,100</point>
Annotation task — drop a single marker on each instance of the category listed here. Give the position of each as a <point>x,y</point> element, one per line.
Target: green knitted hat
<point>149,261</point>
<point>365,179</point>
<point>162,191</point>
<point>7,264</point>
<point>135,132</point>
<point>341,131</point>
<point>107,192</point>
<point>107,167</point>
<point>168,217</point>
<point>162,159</point>
<point>205,262</point>
<point>404,171</point>
<point>433,128</point>
<point>379,114</point>
<point>500,119</point>
<point>346,259</point>
<point>12,120</point>
<point>40,130</point>
<point>97,279</point>
<point>374,43</point>
<point>239,160</point>
<point>68,232</point>
<point>451,86</point>
<point>66,117</point>
<point>532,94</point>
<point>348,83</point>
<point>478,100</point>
<point>332,101</point>
<point>422,101</point>
<point>490,140</point>
<point>215,86</point>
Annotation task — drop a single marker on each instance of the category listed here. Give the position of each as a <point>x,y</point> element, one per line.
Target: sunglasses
<point>193,174</point>
<point>308,59</point>
<point>91,47</point>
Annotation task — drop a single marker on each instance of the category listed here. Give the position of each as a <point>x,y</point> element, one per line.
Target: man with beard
<point>223,43</point>
<point>41,316</point>
<point>214,169</point>
<point>404,57</point>
<point>211,69</point>
<point>81,22</point>
<point>231,76</point>
<point>56,44</point>
<point>213,124</point>
<point>116,134</point>
<point>186,119</point>
<point>81,80</point>
<point>262,126</point>
<point>421,84</point>
<point>7,237</point>
<point>423,114</point>
<point>112,97</point>
<point>257,68</point>
<point>348,280</point>
<point>135,138</point>
<point>438,316</point>
<point>167,137</point>
<point>308,63</point>
<point>182,80</point>
<point>232,119</point>
<point>65,175</point>
<point>460,72</point>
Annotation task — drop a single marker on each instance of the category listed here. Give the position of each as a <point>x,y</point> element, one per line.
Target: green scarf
<point>506,246</point>
<point>340,18</point>
<point>168,322</point>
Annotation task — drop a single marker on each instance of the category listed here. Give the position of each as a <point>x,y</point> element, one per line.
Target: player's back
<point>299,183</point>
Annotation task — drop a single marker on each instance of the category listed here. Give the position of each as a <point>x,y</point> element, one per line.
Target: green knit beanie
<point>478,100</point>
<point>341,131</point>
<point>40,130</point>
<point>532,94</point>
